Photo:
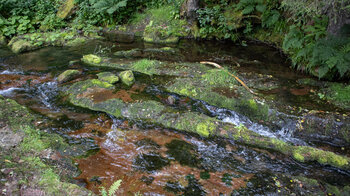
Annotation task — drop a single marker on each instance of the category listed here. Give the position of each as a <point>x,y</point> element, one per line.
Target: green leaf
<point>247,10</point>
<point>322,71</point>
<point>260,8</point>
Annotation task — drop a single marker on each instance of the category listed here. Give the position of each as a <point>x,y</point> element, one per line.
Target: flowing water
<point>151,160</point>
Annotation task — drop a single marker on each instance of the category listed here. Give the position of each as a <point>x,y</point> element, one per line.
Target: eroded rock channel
<point>165,124</point>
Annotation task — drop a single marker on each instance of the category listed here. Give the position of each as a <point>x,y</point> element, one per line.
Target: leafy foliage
<point>112,189</point>
<point>332,55</point>
<point>20,17</point>
<point>107,12</point>
<point>219,21</point>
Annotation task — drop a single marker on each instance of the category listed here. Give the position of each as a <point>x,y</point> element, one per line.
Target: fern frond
<point>114,187</point>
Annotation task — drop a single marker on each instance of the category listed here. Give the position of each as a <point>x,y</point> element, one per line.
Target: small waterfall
<point>287,123</point>
<point>9,91</point>
<point>113,136</point>
<point>48,93</point>
<point>11,72</point>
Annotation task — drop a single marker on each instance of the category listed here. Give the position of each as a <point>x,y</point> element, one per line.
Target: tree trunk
<point>188,9</point>
<point>338,15</point>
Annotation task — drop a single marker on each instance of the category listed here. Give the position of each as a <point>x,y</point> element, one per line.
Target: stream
<point>152,160</point>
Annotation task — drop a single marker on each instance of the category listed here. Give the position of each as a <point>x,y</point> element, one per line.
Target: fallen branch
<point>239,80</point>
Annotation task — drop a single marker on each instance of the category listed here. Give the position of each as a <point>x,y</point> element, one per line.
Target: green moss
<point>67,75</point>
<point>14,115</point>
<point>163,27</point>
<point>90,58</point>
<point>32,142</point>
<point>219,77</point>
<point>281,146</point>
<point>323,157</point>
<point>21,45</point>
<point>146,66</point>
<point>50,181</point>
<point>127,77</point>
<point>129,53</point>
<point>339,94</point>
<point>297,156</point>
<point>205,129</point>
<point>108,77</point>
<point>76,42</point>
<point>66,9</point>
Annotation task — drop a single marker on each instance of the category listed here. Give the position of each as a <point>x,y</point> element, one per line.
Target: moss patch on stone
<point>21,45</point>
<point>127,77</point>
<point>90,58</point>
<point>25,160</point>
<point>338,94</point>
<point>219,77</point>
<point>68,75</point>
<point>33,41</point>
<point>146,66</point>
<point>108,77</point>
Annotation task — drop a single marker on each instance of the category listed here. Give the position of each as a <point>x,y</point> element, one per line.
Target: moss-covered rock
<point>66,9</point>
<point>108,77</point>
<point>127,77</point>
<point>21,45</point>
<point>14,115</point>
<point>164,53</point>
<point>68,75</point>
<point>25,159</point>
<point>33,41</point>
<point>76,41</point>
<point>82,94</point>
<point>133,53</point>
<point>92,59</point>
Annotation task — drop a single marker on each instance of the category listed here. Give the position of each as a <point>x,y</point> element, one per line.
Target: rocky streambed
<point>155,118</point>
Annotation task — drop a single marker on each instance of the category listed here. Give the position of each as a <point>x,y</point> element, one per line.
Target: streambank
<point>33,162</point>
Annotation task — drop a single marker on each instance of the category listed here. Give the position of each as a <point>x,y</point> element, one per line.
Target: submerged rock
<point>108,77</point>
<point>127,77</point>
<point>68,75</point>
